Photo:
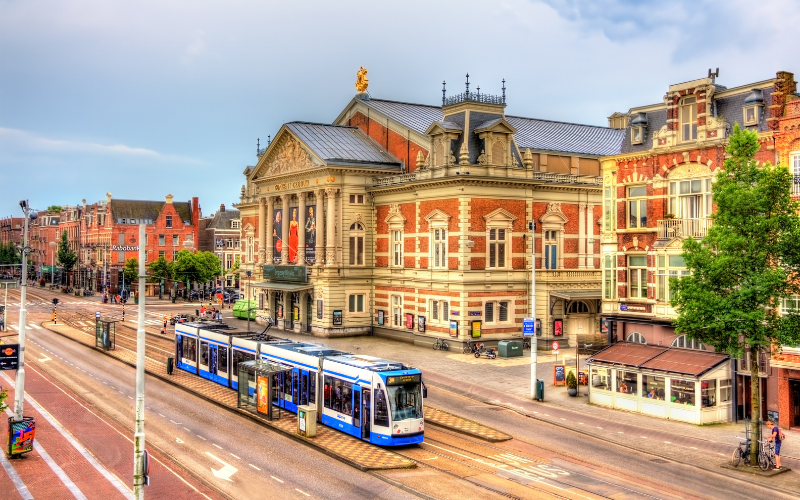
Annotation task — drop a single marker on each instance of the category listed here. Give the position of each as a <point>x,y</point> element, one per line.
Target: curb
<point>243,413</point>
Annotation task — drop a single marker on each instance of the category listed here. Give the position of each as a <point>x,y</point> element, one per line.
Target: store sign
<point>474,313</point>
<point>285,273</point>
<point>119,248</point>
<point>9,357</point>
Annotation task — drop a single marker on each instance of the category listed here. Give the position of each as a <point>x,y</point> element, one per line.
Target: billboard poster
<point>381,317</point>
<point>558,327</point>
<point>294,234</point>
<point>22,435</point>
<point>454,328</point>
<point>421,324</point>
<point>337,317</point>
<point>277,234</point>
<point>410,321</point>
<point>476,329</point>
<point>603,325</point>
<point>262,389</point>
<point>311,235</point>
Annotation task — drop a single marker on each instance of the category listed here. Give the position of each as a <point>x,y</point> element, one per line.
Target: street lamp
<point>53,245</point>
<point>19,385</point>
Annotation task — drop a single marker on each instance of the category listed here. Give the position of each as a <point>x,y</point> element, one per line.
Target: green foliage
<point>160,270</point>
<point>572,381</point>
<point>209,265</point>
<point>9,253</point>
<point>200,267</point>
<point>3,396</point>
<point>66,257</point>
<point>54,209</point>
<point>131,270</point>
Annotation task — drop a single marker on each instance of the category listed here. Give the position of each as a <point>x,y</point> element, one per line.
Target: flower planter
<point>572,392</point>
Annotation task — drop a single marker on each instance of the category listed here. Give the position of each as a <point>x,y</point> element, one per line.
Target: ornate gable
<point>554,214</point>
<point>499,215</point>
<point>437,216</point>
<point>395,216</point>
<point>286,154</point>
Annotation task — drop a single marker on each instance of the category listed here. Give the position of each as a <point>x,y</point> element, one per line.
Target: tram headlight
<point>396,426</point>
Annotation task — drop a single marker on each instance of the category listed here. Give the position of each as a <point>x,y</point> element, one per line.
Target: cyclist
<point>775,433</point>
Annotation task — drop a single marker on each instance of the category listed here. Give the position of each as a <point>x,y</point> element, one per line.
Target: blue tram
<point>376,400</point>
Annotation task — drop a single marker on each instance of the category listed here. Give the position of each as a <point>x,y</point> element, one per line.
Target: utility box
<point>539,390</point>
<point>307,421</point>
<point>509,348</point>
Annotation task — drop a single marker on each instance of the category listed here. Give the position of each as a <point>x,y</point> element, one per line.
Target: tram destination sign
<point>403,379</point>
<point>285,273</point>
<point>9,357</point>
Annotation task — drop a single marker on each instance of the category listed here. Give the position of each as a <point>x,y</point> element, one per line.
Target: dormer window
<point>752,107</point>
<point>638,128</point>
<point>688,119</point>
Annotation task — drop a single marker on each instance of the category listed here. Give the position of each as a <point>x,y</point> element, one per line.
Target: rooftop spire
<point>444,83</point>
<point>467,83</point>
<point>504,90</point>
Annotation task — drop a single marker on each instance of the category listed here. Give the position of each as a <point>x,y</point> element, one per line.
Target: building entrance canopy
<point>576,294</point>
<point>285,287</point>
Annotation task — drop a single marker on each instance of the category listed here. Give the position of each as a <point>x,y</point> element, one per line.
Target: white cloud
<point>21,139</point>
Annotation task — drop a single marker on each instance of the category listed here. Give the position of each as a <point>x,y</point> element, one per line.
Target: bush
<point>572,382</point>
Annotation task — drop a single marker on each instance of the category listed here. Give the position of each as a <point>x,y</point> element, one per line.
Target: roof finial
<point>479,90</point>
<point>258,146</point>
<point>444,83</point>
<point>269,139</point>
<point>467,83</point>
<point>504,90</point>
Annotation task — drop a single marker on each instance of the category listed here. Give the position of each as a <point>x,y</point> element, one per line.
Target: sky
<point>148,98</point>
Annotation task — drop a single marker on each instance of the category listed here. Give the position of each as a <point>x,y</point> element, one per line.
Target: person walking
<point>776,435</point>
<point>202,310</point>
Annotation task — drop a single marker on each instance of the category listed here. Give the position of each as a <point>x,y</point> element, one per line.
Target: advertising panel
<point>410,321</point>
<point>558,327</point>
<point>277,234</point>
<point>9,357</point>
<point>22,435</point>
<point>262,389</point>
<point>559,375</point>
<point>337,317</point>
<point>381,317</point>
<point>454,328</point>
<point>311,236</point>
<point>476,329</point>
<point>421,324</point>
<point>294,234</point>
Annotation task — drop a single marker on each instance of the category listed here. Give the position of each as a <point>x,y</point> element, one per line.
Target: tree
<point>66,257</point>
<point>208,264</point>
<point>160,269</point>
<point>3,396</point>
<point>9,253</point>
<point>131,270</point>
<point>749,261</point>
<point>54,208</point>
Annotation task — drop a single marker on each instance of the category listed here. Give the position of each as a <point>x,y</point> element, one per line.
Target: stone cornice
<point>482,181</point>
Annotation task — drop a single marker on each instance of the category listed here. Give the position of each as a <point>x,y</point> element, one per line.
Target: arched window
<point>686,343</point>
<point>636,337</point>
<point>356,244</point>
<point>578,308</point>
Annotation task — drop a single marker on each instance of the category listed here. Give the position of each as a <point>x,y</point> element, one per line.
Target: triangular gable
<point>500,214</point>
<point>437,214</point>
<point>248,227</point>
<point>553,212</point>
<point>444,127</point>
<point>286,153</point>
<point>499,125</point>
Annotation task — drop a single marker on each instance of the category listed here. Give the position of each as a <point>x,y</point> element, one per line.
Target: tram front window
<point>405,400</point>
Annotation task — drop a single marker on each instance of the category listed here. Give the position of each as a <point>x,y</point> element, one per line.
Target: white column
<point>581,235</point>
<point>590,236</point>
<point>285,234</point>
<point>301,229</point>
<point>268,249</point>
<point>319,217</point>
<point>262,230</point>
<point>330,250</point>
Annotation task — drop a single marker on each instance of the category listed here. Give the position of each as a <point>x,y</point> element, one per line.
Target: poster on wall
<point>337,318</point>
<point>410,321</point>
<point>559,375</point>
<point>558,327</point>
<point>421,324</point>
<point>294,234</point>
<point>296,313</point>
<point>603,325</point>
<point>262,389</point>
<point>311,236</point>
<point>319,308</point>
<point>454,328</point>
<point>280,311</point>
<point>476,329</point>
<point>381,317</point>
<point>277,234</point>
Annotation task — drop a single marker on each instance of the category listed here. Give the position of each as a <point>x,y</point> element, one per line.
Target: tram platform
<point>343,447</point>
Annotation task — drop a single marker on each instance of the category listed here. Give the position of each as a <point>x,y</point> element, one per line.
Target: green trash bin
<point>539,389</point>
<point>509,348</point>
<point>170,363</point>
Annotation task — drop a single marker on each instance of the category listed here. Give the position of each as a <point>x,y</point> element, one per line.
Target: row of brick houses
<point>411,221</point>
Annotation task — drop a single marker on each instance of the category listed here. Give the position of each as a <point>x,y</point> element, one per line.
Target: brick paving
<point>363,455</point>
<point>464,426</point>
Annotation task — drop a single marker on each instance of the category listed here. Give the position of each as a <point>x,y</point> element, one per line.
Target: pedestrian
<point>118,298</point>
<point>778,436</point>
<point>3,322</point>
<point>164,330</point>
<point>202,310</point>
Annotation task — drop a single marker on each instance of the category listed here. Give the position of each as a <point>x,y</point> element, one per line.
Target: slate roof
<point>532,133</point>
<point>141,209</point>
<point>342,144</point>
<point>661,358</point>
<point>487,123</point>
<point>449,125</point>
<point>222,220</point>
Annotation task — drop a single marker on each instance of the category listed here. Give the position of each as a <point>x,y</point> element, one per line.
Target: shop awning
<point>658,358</point>
<point>285,287</point>
<point>576,294</point>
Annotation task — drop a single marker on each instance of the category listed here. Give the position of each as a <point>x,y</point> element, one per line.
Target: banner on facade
<point>311,235</point>
<point>337,318</point>
<point>294,233</point>
<point>277,234</point>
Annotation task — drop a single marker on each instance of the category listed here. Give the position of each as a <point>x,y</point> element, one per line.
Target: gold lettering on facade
<point>292,185</point>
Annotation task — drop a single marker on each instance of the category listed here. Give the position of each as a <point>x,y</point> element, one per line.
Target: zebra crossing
<point>30,326</point>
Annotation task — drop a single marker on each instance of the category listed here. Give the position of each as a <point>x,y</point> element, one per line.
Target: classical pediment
<point>497,126</point>
<point>284,155</point>
<point>437,215</point>
<point>554,214</point>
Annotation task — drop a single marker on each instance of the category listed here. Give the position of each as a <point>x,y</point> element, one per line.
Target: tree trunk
<point>755,406</point>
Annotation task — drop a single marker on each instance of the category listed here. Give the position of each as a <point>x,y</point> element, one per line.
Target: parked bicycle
<point>741,453</point>
<point>526,343</point>
<point>766,455</point>
<point>470,347</point>
<point>441,345</point>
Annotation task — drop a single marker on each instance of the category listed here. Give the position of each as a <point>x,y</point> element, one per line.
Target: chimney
<point>222,207</point>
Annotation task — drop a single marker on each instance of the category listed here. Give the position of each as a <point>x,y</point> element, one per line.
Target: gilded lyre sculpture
<point>361,80</point>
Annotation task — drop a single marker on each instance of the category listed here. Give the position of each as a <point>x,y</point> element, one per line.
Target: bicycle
<point>741,453</point>
<point>470,347</point>
<point>441,345</point>
<point>526,343</point>
<point>766,455</point>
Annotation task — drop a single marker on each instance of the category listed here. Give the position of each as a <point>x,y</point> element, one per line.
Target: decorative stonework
<point>437,214</point>
<point>634,178</point>
<point>289,157</point>
<point>553,211</point>
<point>689,170</point>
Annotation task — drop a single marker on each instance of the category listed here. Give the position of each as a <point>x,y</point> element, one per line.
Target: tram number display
<point>403,379</point>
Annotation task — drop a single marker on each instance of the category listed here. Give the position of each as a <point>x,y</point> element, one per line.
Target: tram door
<point>366,413</point>
<point>357,407</point>
<point>291,390</point>
<point>303,387</point>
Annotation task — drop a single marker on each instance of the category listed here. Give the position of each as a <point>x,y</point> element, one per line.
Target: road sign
<point>528,327</point>
<point>97,314</point>
<point>9,357</point>
<point>555,346</point>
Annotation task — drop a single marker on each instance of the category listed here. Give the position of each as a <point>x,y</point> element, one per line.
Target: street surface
<point>556,452</point>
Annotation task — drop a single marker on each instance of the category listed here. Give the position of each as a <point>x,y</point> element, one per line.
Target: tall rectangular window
<point>357,244</point>
<point>397,248</point>
<point>169,221</point>
<point>356,303</point>
<point>550,249</point>
<point>677,269</point>
<point>690,199</point>
<point>609,277</point>
<point>496,312</point>
<point>688,119</point>
<point>397,310</point>
<point>175,240</point>
<point>121,240</point>
<point>795,166</point>
<point>608,209</point>
<point>488,312</point>
<point>439,237</point>
<point>434,310</point>
<point>161,240</point>
<point>497,247</point>
<point>637,276</point>
<point>637,206</point>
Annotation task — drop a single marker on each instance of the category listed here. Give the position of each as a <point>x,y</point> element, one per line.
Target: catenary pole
<point>138,436</point>
<point>19,382</point>
<point>533,309</point>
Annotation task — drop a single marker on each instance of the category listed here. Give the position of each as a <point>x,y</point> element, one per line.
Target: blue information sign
<point>528,327</point>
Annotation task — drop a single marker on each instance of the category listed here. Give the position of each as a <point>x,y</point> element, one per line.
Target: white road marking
<point>600,428</point>
<point>667,442</point>
<point>234,456</point>
<point>303,492</point>
<point>45,358</point>
<point>201,437</point>
<point>13,327</point>
<point>178,441</point>
<point>161,415</point>
<point>187,429</point>
<point>253,466</point>
<point>174,422</point>
<point>643,437</point>
<point>563,419</point>
<point>218,446</point>
<point>225,472</point>
<point>692,447</point>
<point>275,478</point>
<point>34,326</point>
<point>18,483</point>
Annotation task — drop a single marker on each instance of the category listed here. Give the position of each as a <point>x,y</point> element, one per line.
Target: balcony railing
<point>683,228</point>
